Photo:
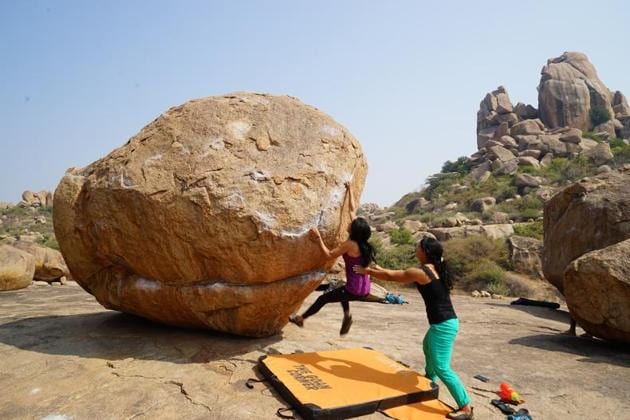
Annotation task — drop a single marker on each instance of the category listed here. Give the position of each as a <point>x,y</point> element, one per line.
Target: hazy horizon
<point>406,79</point>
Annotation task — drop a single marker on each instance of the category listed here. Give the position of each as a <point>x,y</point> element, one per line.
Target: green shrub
<point>15,211</point>
<point>398,257</point>
<point>531,230</point>
<point>527,214</point>
<point>459,166</point>
<point>49,242</point>
<point>599,115</point>
<point>562,169</point>
<point>486,275</point>
<point>591,135</point>
<point>464,254</point>
<point>439,184</point>
<point>401,236</point>
<point>620,150</point>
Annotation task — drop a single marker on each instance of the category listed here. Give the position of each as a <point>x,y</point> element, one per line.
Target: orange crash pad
<point>344,383</point>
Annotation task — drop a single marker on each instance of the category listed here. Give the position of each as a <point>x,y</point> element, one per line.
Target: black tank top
<point>437,299</point>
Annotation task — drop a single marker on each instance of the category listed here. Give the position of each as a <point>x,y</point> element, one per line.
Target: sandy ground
<point>62,356</point>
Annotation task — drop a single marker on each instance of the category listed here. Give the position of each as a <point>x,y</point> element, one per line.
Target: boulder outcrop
<point>201,219</point>
<point>569,88</point>
<point>588,215</point>
<point>597,290</point>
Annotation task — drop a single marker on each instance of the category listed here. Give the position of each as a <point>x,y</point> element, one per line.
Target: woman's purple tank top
<point>357,284</point>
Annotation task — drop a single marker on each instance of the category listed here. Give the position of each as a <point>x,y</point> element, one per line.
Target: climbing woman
<point>355,251</point>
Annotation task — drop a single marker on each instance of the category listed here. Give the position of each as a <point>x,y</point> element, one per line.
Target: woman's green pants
<point>438,349</point>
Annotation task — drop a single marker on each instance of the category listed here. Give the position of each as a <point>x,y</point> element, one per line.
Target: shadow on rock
<point>592,350</point>
<point>115,336</point>
<point>559,315</point>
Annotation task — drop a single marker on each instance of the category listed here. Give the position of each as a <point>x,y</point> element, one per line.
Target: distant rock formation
<point>201,219</point>
<point>511,136</point>
<point>569,88</point>
<point>36,199</point>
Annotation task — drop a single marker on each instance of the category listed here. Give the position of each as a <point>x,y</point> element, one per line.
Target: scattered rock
<point>608,128</point>
<point>413,226</point>
<point>387,227</point>
<point>526,127</point>
<point>546,160</point>
<point>16,268</point>
<point>526,180</point>
<point>481,205</point>
<point>573,135</point>
<point>498,231</point>
<point>599,154</point>
<point>528,161</point>
<point>49,264</point>
<point>500,167</point>
<point>475,294</point>
<point>525,112</point>
<point>500,217</point>
<point>604,169</point>
<point>485,293</point>
<point>448,233</point>
<point>535,153</point>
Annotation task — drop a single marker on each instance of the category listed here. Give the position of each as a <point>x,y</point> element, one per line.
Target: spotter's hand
<point>359,269</point>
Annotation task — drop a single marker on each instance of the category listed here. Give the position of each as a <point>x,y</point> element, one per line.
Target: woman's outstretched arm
<point>329,253</point>
<point>351,201</point>
<point>401,276</point>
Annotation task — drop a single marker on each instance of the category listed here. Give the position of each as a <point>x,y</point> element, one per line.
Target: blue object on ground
<point>392,298</point>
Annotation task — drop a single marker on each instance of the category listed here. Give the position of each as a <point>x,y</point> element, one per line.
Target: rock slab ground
<point>64,355</point>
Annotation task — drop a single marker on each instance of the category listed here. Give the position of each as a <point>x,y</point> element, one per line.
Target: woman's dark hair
<point>433,250</point>
<point>360,233</point>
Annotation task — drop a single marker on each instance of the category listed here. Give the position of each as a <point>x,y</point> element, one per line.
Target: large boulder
<point>597,290</point>
<point>202,218</point>
<point>16,268</point>
<point>588,215</point>
<point>49,263</point>
<point>569,88</point>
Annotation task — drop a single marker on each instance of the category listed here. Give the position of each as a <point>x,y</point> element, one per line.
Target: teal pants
<point>438,349</point>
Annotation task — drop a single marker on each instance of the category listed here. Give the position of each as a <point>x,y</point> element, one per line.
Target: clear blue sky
<point>78,78</point>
